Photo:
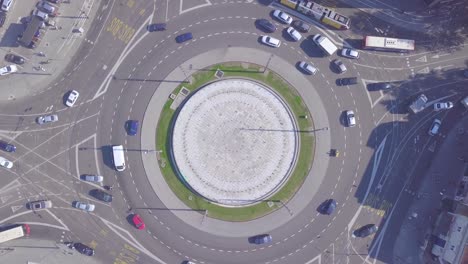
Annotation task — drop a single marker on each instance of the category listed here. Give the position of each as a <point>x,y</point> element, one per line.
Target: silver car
<point>43,204</point>
<point>307,68</point>
<point>270,41</point>
<point>92,178</point>
<point>47,119</point>
<point>84,206</point>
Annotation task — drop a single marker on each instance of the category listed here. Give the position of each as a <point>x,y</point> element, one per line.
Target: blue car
<point>261,239</point>
<point>132,127</point>
<point>7,147</point>
<point>156,27</point>
<point>184,37</point>
<point>328,207</point>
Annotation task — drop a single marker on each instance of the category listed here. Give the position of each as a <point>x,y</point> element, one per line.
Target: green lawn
<point>307,144</point>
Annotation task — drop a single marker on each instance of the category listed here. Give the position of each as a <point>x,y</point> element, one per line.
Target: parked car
<point>328,207</point>
<point>184,37</point>
<point>301,26</point>
<point>84,249</point>
<point>6,163</point>
<point>138,222</point>
<point>443,105</point>
<point>156,27</point>
<point>101,195</point>
<point>72,97</point>
<point>282,17</point>
<point>37,205</point>
<point>350,53</point>
<point>347,81</point>
<point>350,118</point>
<point>270,41</point>
<point>6,4</point>
<point>83,206</point>
<point>339,65</point>
<point>295,35</point>
<point>306,67</point>
<point>2,18</point>
<point>365,231</point>
<point>7,146</point>
<point>47,7</point>
<point>42,15</point>
<point>465,73</point>
<point>132,127</point>
<point>14,58</point>
<point>266,25</point>
<point>47,119</point>
<point>434,130</point>
<point>261,239</point>
<point>92,178</point>
<point>8,70</point>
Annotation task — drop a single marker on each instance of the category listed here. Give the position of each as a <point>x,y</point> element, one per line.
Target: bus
<point>13,231</point>
<point>388,44</point>
<point>321,13</point>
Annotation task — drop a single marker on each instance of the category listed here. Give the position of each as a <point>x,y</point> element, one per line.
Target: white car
<point>6,163</point>
<point>46,7</point>
<point>294,34</point>
<point>307,68</point>
<point>443,105</point>
<point>350,53</point>
<point>270,41</point>
<point>47,119</point>
<point>84,206</point>
<point>350,118</point>
<point>282,16</point>
<point>8,69</point>
<point>72,97</point>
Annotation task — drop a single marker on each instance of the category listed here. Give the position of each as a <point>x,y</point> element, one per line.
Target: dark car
<point>347,81</point>
<point>132,127</point>
<point>301,26</point>
<point>84,249</point>
<point>465,73</point>
<point>261,239</point>
<point>156,27</point>
<point>2,18</point>
<point>184,37</point>
<point>55,1</point>
<point>14,58</point>
<point>366,230</point>
<point>7,147</point>
<point>101,195</point>
<point>379,86</point>
<point>328,207</point>
<point>266,25</point>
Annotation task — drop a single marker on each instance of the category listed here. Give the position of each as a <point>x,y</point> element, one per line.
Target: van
<point>325,44</point>
<point>119,158</point>
<point>6,5</point>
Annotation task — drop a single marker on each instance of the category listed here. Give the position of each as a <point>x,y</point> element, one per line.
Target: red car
<point>138,222</point>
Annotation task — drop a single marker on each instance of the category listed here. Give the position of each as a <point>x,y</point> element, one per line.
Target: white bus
<point>119,157</point>
<point>388,44</point>
<point>13,232</point>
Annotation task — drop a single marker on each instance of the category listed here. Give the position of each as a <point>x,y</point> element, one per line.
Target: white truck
<point>325,44</point>
<point>419,104</point>
<point>464,102</point>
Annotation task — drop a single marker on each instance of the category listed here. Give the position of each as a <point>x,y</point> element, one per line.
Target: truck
<point>325,44</point>
<point>419,104</point>
<point>465,102</point>
<point>11,232</point>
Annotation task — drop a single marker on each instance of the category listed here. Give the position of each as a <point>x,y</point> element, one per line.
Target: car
<point>41,204</point>
<point>434,130</point>
<point>266,25</point>
<point>101,195</point>
<point>72,97</point>
<point>184,37</point>
<point>6,163</point>
<point>83,206</point>
<point>270,41</point>
<point>306,67</point>
<point>132,127</point>
<point>7,146</point>
<point>350,53</point>
<point>41,15</point>
<point>380,86</point>
<point>138,222</point>
<point>261,239</point>
<point>2,18</point>
<point>328,207</point>
<point>92,178</point>
<point>282,17</point>
<point>347,81</point>
<point>339,66</point>
<point>8,70</point>
<point>14,58</point>
<point>6,4</point>
<point>46,7</point>
<point>83,249</point>
<point>55,1</point>
<point>365,231</point>
<point>294,34</point>
<point>47,119</point>
<point>350,118</point>
<point>465,73</point>
<point>443,105</point>
<point>156,27</point>
<point>301,26</point>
